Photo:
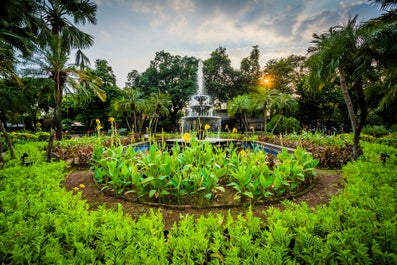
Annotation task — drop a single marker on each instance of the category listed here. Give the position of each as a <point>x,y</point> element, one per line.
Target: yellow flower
<point>186,137</point>
<point>234,130</point>
<point>242,153</point>
<point>207,127</point>
<point>252,127</point>
<point>76,188</point>
<point>98,127</point>
<point>98,121</point>
<point>111,119</point>
<point>81,186</point>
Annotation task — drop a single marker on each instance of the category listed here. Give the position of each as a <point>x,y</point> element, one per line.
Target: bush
<point>285,125</point>
<point>20,137</point>
<point>376,131</point>
<point>332,151</point>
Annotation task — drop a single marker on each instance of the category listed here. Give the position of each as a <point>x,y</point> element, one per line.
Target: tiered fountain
<point>199,114</point>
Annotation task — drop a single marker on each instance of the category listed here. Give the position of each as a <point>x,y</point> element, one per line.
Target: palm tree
<point>336,54</point>
<point>18,27</point>
<point>157,106</point>
<point>266,97</point>
<point>242,105</point>
<point>381,37</point>
<point>283,102</point>
<point>53,62</point>
<point>58,37</point>
<point>131,103</point>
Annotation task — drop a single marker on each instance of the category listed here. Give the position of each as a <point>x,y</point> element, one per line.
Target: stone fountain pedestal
<point>199,116</point>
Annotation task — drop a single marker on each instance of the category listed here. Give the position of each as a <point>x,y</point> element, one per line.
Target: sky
<point>130,32</point>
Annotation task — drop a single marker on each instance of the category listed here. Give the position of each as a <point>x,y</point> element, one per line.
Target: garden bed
<point>327,183</point>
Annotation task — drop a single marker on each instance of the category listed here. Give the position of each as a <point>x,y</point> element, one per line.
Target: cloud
<point>130,32</point>
<point>318,23</point>
<point>105,36</point>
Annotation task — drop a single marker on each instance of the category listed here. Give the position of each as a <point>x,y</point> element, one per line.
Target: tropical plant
<point>157,105</point>
<point>337,53</point>
<point>130,103</point>
<point>266,96</point>
<point>18,24</point>
<point>242,105</point>
<point>57,38</point>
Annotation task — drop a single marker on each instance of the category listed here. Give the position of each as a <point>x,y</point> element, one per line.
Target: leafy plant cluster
<point>284,125</point>
<point>332,151</point>
<point>200,170</point>
<point>376,131</point>
<point>79,150</point>
<point>41,223</point>
<point>20,137</point>
<point>380,135</point>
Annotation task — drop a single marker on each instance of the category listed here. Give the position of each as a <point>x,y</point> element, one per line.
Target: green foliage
<point>195,171</point>
<point>21,137</point>
<point>41,223</point>
<point>34,150</point>
<point>376,131</point>
<point>333,151</point>
<point>284,125</point>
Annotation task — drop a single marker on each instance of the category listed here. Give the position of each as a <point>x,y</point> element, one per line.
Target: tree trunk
<point>275,125</point>
<point>59,84</point>
<point>363,112</point>
<point>264,118</point>
<point>350,109</point>
<point>8,140</point>
<point>50,145</point>
<point>1,148</point>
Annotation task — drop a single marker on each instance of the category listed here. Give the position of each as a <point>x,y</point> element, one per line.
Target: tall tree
<point>220,77</point>
<point>132,79</point>
<point>173,75</point>
<point>58,37</point>
<point>94,107</point>
<point>335,55</point>
<point>250,70</point>
<point>105,72</point>
<point>380,35</point>
<point>285,73</point>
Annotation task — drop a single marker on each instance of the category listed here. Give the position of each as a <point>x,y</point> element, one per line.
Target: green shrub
<point>21,137</point>
<point>284,125</point>
<point>333,151</point>
<point>376,131</point>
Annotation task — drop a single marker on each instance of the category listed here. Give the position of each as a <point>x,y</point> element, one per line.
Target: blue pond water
<point>256,146</point>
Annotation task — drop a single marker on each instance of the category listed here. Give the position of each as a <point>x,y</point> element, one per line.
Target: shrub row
<point>332,151</point>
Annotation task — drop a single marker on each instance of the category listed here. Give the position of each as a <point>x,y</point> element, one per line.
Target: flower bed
<point>201,173</point>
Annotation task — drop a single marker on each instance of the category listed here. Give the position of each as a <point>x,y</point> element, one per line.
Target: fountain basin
<point>222,142</point>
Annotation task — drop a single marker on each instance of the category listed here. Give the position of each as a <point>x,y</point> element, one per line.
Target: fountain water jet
<point>199,113</point>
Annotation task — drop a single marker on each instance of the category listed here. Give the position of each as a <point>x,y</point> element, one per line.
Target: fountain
<point>199,114</point>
